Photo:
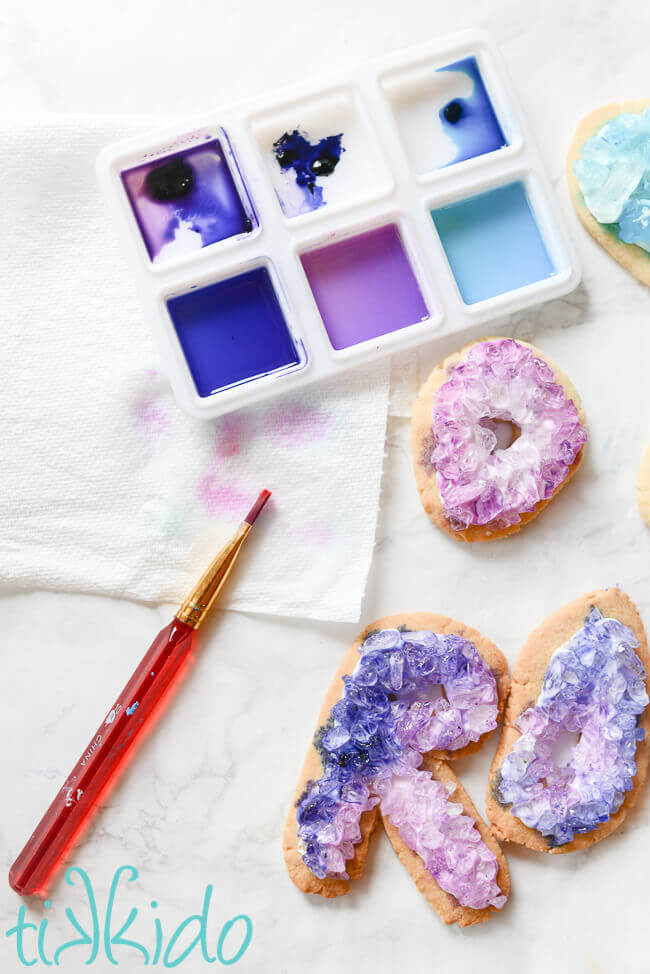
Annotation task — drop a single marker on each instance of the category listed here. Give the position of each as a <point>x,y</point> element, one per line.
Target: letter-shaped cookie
<point>411,685</point>
<point>573,753</point>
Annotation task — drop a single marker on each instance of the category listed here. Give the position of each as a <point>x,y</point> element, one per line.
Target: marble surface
<point>205,800</point>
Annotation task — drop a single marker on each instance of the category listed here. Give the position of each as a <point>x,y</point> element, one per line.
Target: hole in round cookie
<point>563,747</point>
<point>505,431</point>
<point>427,694</point>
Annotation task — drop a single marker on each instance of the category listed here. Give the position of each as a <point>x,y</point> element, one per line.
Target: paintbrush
<point>161,668</point>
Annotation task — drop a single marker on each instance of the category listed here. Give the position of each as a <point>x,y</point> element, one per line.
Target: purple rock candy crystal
<point>478,482</point>
<point>392,711</point>
<point>594,686</point>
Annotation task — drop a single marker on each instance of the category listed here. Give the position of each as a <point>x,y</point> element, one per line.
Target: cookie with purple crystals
<point>573,753</point>
<point>497,432</point>
<point>412,689</point>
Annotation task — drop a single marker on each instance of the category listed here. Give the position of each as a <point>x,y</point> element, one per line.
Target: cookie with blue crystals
<point>608,170</point>
<point>573,753</point>
<point>413,689</point>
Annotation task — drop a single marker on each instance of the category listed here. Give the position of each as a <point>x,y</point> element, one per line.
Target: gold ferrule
<point>200,600</point>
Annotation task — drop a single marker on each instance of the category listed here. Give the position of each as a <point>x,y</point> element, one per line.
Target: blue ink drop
<point>493,243</point>
<point>232,331</point>
<point>471,122</point>
<point>453,112</point>
<point>309,162</point>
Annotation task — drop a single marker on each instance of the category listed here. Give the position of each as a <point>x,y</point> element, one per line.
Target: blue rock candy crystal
<point>594,686</point>
<point>614,176</point>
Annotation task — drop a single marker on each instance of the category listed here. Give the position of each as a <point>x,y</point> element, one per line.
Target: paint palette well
<point>445,114</point>
<point>364,286</point>
<point>233,331</point>
<point>321,152</point>
<point>282,240</point>
<point>188,200</point>
<point>493,243</point>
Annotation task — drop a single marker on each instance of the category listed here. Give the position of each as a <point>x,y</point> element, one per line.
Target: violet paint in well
<point>232,331</point>
<point>364,286</point>
<point>187,201</point>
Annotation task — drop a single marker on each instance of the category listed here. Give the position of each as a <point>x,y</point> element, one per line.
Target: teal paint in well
<point>493,243</point>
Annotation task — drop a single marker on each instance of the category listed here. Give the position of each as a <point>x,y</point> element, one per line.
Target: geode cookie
<point>473,483</point>
<point>573,753</point>
<point>608,169</point>
<point>411,690</point>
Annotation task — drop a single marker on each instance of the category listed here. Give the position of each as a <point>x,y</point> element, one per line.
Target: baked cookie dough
<point>573,753</point>
<point>643,487</point>
<point>470,485</point>
<point>633,258</point>
<point>384,727</point>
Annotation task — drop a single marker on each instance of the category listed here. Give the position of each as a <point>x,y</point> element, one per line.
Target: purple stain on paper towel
<point>288,424</point>
<point>150,414</point>
<point>296,423</point>
<point>151,418</point>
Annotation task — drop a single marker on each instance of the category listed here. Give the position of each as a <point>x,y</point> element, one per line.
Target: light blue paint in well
<point>493,243</point>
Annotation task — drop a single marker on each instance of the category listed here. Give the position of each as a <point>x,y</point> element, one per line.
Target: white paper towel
<point>107,486</point>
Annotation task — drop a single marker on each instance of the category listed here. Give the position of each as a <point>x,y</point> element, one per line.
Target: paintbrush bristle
<point>257,507</point>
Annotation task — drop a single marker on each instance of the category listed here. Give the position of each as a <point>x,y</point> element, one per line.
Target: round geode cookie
<point>608,171</point>
<point>573,753</point>
<point>497,431</point>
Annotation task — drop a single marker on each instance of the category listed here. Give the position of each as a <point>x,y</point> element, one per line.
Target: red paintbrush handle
<point>99,766</point>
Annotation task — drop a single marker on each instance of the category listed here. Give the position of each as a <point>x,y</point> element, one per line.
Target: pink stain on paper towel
<point>317,532</point>
<point>291,424</point>
<point>219,498</point>
<point>230,435</point>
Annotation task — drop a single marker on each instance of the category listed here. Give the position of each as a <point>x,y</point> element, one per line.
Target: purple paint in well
<point>187,200</point>
<point>364,286</point>
<point>232,331</point>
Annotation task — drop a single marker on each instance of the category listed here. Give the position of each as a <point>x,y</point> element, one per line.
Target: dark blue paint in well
<point>471,122</point>
<point>309,161</point>
<point>232,331</point>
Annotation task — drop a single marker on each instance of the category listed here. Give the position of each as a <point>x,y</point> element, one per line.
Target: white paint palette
<point>287,238</point>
